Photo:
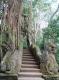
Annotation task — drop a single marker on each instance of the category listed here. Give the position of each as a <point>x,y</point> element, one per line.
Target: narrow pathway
<point>29,68</point>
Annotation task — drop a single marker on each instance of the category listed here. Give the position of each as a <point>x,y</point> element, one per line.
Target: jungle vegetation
<point>41,16</point>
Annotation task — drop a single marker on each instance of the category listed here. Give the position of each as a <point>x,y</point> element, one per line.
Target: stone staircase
<point>29,68</point>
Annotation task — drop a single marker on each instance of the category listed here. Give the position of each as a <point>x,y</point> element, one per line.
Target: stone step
<point>30,78</point>
<point>6,76</point>
<point>27,53</point>
<point>27,56</point>
<point>29,66</point>
<point>29,74</point>
<point>27,59</point>
<point>28,62</point>
<point>29,70</point>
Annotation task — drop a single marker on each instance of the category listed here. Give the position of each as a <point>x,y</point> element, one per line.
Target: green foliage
<point>25,43</point>
<point>39,41</point>
<point>34,3</point>
<point>52,32</point>
<point>26,11</point>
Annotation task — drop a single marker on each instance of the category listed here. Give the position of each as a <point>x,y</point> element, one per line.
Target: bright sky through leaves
<point>53,6</point>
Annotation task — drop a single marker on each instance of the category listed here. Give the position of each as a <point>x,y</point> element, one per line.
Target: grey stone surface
<point>8,76</point>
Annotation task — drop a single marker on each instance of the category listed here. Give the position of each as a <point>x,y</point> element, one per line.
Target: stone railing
<point>36,53</point>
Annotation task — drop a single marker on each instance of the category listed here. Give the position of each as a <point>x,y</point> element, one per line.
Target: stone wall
<point>12,61</point>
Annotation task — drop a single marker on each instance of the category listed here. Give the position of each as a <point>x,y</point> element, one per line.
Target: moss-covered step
<point>5,76</point>
<point>51,77</point>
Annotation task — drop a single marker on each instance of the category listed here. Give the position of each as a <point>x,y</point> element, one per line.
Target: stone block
<point>8,76</point>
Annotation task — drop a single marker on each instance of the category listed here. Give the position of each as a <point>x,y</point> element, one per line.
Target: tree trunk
<point>14,17</point>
